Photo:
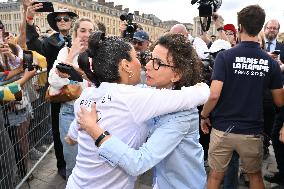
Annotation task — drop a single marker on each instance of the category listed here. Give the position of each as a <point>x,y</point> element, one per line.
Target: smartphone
<point>47,6</point>
<point>28,60</point>
<point>277,52</point>
<point>74,75</point>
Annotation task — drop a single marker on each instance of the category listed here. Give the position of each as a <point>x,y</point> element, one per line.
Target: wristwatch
<point>101,137</point>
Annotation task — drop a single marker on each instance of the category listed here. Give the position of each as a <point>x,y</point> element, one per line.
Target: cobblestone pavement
<point>45,175</point>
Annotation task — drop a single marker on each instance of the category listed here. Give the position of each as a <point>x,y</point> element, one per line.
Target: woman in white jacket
<point>81,32</point>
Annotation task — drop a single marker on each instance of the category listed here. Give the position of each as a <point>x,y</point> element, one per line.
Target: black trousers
<point>204,138</point>
<point>58,148</point>
<point>268,118</point>
<point>278,146</point>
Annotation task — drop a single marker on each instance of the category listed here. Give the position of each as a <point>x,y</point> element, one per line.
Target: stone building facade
<point>105,12</point>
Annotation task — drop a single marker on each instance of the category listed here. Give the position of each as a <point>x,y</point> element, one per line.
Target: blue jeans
<point>66,117</point>
<point>231,175</point>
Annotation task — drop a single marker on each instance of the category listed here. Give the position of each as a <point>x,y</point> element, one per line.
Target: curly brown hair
<point>184,58</point>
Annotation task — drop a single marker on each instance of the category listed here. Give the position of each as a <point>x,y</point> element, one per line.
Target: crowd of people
<point>121,106</point>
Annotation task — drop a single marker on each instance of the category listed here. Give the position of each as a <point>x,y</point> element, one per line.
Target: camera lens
<point>123,17</point>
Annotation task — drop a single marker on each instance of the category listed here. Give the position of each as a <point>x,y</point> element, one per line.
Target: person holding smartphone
<point>57,79</point>
<point>60,21</point>
<point>273,47</point>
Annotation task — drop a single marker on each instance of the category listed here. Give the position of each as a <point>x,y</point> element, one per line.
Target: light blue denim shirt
<point>173,147</point>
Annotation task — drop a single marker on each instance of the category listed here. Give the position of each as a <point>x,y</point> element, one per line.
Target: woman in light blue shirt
<point>173,147</point>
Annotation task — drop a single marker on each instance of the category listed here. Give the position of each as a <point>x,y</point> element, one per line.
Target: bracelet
<point>220,28</point>
<point>202,117</point>
<point>29,18</point>
<point>101,137</point>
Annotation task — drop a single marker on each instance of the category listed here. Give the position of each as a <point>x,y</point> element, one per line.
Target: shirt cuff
<point>112,150</point>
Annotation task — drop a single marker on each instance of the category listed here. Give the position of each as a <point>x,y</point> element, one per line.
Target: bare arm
<point>278,97</point>
<point>215,92</point>
<point>281,134</point>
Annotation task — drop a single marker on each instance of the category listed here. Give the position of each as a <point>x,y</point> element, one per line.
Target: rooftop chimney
<point>118,7</point>
<point>101,2</point>
<point>110,4</point>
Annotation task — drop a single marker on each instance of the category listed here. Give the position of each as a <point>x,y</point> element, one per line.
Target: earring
<point>130,74</point>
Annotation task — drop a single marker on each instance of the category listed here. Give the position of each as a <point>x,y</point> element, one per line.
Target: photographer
<point>141,41</point>
<point>127,26</point>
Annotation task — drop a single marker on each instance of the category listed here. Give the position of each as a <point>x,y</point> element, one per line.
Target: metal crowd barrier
<point>25,133</point>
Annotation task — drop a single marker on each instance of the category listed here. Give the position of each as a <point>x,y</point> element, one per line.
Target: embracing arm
<point>136,162</point>
<point>72,135</point>
<point>160,102</point>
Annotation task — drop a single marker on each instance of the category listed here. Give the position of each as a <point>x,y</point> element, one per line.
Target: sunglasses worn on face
<point>64,18</point>
<point>140,43</point>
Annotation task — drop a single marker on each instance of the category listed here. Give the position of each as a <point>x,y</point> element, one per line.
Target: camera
<point>206,9</point>
<point>131,26</point>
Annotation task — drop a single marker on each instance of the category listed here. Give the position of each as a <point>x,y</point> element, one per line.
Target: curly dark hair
<point>106,54</point>
<point>252,19</point>
<point>184,57</point>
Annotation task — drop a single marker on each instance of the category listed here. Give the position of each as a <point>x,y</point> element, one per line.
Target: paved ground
<point>46,177</point>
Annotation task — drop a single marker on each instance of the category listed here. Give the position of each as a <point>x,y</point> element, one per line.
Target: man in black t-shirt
<point>240,77</point>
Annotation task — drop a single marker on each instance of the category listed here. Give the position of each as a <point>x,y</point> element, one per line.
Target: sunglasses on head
<point>65,18</point>
<point>140,43</point>
<point>1,27</point>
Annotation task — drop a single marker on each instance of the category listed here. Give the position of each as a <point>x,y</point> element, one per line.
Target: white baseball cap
<point>218,45</point>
